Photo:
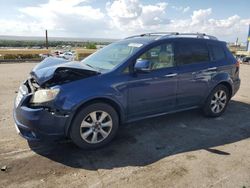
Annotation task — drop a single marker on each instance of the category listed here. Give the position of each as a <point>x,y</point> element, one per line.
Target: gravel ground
<point>179,150</point>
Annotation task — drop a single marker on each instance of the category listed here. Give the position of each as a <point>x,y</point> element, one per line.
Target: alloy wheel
<point>219,101</point>
<point>96,126</point>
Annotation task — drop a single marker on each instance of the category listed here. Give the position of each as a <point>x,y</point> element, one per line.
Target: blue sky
<point>226,19</point>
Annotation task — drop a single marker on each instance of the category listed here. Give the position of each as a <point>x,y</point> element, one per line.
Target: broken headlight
<point>44,95</point>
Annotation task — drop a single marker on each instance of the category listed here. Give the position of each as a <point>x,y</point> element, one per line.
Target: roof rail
<point>167,34</point>
<point>153,34</point>
<point>198,35</point>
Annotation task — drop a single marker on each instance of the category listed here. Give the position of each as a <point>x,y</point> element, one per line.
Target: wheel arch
<point>229,87</point>
<point>118,108</point>
<point>226,83</point>
<point>223,78</point>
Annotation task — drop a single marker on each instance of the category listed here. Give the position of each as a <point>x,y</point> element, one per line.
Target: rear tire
<point>217,101</point>
<point>94,126</point>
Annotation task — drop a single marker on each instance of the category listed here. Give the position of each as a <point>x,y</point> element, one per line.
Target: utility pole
<point>236,44</point>
<point>46,40</point>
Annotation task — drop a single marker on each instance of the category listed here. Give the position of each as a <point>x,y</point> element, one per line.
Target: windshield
<point>112,55</point>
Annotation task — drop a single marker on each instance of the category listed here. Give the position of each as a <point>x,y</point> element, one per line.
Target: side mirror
<point>142,66</point>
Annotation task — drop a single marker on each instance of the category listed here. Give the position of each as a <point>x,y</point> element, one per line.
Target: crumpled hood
<point>53,68</point>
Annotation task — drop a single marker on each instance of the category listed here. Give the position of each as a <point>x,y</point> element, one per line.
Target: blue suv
<point>138,77</point>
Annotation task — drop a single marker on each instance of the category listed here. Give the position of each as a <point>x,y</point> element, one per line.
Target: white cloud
<point>181,8</point>
<point>154,14</point>
<point>120,18</point>
<point>225,23</point>
<point>56,15</point>
<point>49,14</point>
<point>124,10</point>
<point>200,16</point>
<point>133,16</point>
<point>186,9</point>
<point>15,27</point>
<point>65,7</point>
<point>200,21</point>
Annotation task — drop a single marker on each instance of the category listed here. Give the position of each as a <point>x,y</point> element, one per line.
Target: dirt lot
<point>179,150</point>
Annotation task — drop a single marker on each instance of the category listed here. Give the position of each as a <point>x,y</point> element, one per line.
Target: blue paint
<point>136,95</point>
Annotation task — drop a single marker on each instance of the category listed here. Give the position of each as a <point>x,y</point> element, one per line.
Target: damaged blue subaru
<point>138,77</point>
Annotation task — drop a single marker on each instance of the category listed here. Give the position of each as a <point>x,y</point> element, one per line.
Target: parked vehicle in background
<point>240,57</point>
<point>246,59</point>
<point>68,55</point>
<point>43,56</point>
<point>139,77</point>
<point>65,55</point>
<point>57,53</point>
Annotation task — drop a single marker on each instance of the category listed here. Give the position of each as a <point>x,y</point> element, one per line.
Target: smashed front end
<point>36,114</point>
<point>36,122</point>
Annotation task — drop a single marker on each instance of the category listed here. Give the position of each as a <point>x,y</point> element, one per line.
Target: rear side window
<point>217,52</point>
<point>191,52</point>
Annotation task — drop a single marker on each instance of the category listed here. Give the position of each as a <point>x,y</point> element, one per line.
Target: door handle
<point>171,75</point>
<point>212,69</point>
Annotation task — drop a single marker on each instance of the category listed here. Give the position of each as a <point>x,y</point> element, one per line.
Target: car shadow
<point>147,141</point>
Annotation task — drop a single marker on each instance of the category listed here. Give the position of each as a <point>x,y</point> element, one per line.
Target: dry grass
<point>80,52</point>
<point>83,50</point>
<point>24,51</point>
<point>42,51</point>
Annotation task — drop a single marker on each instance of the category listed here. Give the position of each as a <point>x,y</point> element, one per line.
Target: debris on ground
<point>4,168</point>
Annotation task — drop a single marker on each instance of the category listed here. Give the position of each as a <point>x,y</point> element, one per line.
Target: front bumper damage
<point>37,123</point>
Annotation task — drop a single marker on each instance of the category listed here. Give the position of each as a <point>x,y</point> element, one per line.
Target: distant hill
<point>25,38</point>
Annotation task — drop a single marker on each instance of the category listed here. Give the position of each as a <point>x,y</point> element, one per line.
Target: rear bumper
<point>39,124</point>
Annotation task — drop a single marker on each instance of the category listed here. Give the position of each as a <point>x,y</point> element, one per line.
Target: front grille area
<point>18,98</point>
<point>23,90</point>
<point>32,85</point>
<point>29,86</point>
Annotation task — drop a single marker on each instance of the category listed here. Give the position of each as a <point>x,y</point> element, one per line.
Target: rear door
<point>194,71</point>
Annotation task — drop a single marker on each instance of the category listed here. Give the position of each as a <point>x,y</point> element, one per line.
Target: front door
<point>154,92</point>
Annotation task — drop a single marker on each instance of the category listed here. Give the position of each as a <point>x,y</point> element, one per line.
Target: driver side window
<point>161,56</point>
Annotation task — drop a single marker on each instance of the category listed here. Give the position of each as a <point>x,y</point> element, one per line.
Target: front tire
<point>217,101</point>
<point>94,126</point>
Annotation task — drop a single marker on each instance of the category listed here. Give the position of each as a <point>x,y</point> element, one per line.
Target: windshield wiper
<point>89,65</point>
<point>95,68</point>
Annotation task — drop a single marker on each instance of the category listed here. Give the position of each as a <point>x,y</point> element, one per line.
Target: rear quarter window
<point>217,52</point>
<point>191,52</point>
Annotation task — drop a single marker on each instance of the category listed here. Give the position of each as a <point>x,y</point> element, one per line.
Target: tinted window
<point>188,53</point>
<point>217,52</point>
<point>161,56</point>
